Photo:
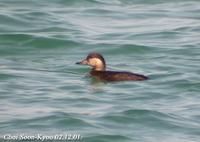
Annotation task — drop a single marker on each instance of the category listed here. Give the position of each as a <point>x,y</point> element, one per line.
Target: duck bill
<point>83,62</point>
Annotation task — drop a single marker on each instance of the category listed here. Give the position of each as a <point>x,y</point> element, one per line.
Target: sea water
<point>45,96</point>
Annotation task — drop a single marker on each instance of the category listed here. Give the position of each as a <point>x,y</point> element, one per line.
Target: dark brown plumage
<point>117,76</point>
<point>99,70</point>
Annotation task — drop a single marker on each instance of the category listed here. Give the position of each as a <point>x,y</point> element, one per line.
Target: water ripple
<point>43,91</point>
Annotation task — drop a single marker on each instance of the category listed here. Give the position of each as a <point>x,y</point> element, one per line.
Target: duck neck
<point>99,68</point>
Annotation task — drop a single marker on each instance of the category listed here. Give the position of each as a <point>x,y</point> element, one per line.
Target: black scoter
<point>99,71</point>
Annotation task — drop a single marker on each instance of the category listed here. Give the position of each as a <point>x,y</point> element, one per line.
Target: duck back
<point>117,76</point>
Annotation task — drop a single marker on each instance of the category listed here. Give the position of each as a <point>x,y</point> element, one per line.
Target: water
<point>43,92</point>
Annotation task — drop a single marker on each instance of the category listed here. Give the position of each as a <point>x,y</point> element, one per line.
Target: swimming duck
<point>98,64</point>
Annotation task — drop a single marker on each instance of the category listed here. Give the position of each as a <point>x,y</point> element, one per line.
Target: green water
<point>43,92</point>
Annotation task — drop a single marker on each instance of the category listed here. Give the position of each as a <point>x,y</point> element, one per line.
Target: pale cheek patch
<point>95,62</point>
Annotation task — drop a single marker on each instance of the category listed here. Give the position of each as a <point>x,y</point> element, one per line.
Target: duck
<point>98,71</point>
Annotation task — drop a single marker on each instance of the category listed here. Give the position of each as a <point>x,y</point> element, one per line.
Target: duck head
<point>95,60</point>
